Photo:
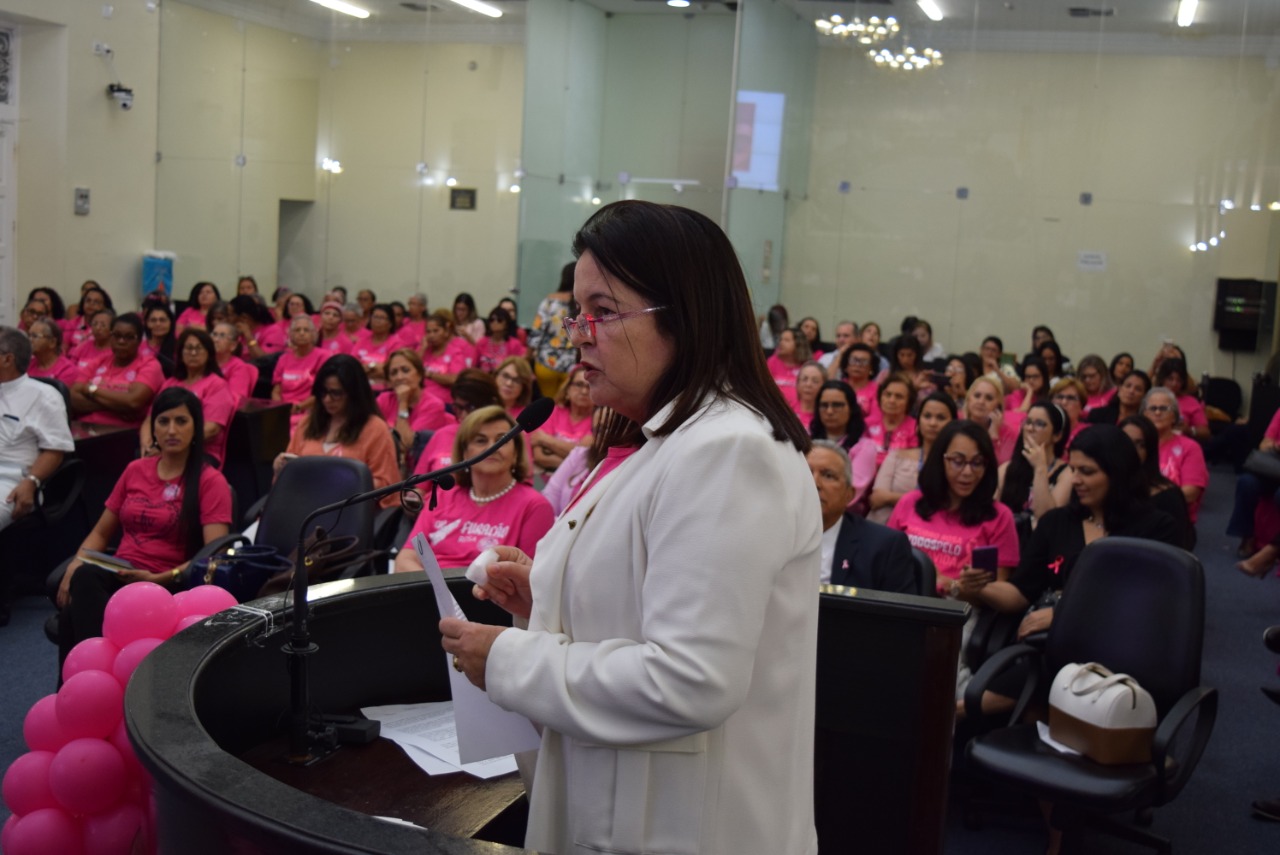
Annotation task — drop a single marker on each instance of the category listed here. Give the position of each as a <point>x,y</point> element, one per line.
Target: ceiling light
<point>1202,246</point>
<point>679,4</point>
<point>1187,12</point>
<point>1255,207</point>
<point>1227,204</point>
<point>1194,248</point>
<point>872,31</point>
<point>344,8</point>
<point>1213,241</point>
<point>514,188</point>
<point>331,165</point>
<point>1274,206</point>
<point>482,8</point>
<point>930,8</point>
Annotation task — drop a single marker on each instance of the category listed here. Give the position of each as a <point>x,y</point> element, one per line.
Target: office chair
<point>926,574</point>
<point>1137,607</point>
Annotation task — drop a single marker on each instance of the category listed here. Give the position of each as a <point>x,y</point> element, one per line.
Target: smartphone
<point>937,379</point>
<point>984,558</point>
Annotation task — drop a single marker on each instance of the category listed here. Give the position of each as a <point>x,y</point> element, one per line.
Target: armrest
<point>385,525</point>
<point>255,510</point>
<point>997,664</point>
<point>1203,699</point>
<point>216,546</point>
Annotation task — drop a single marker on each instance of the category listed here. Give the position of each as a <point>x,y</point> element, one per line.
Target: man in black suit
<point>856,552</point>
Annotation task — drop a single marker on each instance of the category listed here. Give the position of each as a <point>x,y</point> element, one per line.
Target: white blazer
<point>670,656</point>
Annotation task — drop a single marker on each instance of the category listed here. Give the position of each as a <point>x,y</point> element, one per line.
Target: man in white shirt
<point>846,334</point>
<point>34,431</point>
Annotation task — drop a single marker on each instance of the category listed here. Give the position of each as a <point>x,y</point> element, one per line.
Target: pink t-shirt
<point>115,378</point>
<point>867,400</point>
<point>338,344</point>
<point>805,418</point>
<point>219,405</point>
<point>76,331</point>
<point>295,374</point>
<point>439,450</point>
<point>1099,400</point>
<point>903,437</point>
<point>949,543</point>
<point>370,352</point>
<point>429,414</point>
<point>1273,428</point>
<point>863,464</point>
<point>190,317</point>
<point>458,354</point>
<point>459,529</point>
<point>87,355</point>
<point>1182,462</point>
<point>785,375</point>
<point>62,369</point>
<point>148,508</point>
<point>561,425</point>
<point>273,338</point>
<point>241,376</point>
<point>1193,414</point>
<point>412,333</point>
<point>490,354</point>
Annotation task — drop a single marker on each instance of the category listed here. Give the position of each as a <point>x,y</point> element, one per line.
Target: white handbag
<point>1107,717</point>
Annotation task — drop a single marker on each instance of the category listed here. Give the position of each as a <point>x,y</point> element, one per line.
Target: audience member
<point>500,344</point>
<point>982,406</point>
<point>241,376</point>
<point>445,354</point>
<point>473,390</point>
<point>257,327</point>
<point>466,320</point>
<point>1031,483</point>
<point>812,333</point>
<point>119,390</point>
<point>296,369</point>
<point>846,334</point>
<point>791,352</point>
<point>1164,494</point>
<point>993,365</point>
<point>331,338</point>
<point>1121,365</point>
<point>808,382</point>
<point>891,425</point>
<point>158,342</point>
<point>246,286</point>
<point>1033,389</point>
<point>1173,376</point>
<point>92,301</point>
<point>515,384</point>
<point>900,472</point>
<point>569,424</point>
<point>553,354</point>
<point>1126,402</point>
<point>839,420</point>
<point>197,372</point>
<point>1096,377</point>
<point>1069,394</point>
<point>199,302</point>
<point>405,406</point>
<point>46,357</point>
<point>96,348</point>
<point>413,330</point>
<point>1181,458</point>
<point>930,350</point>
<point>375,344</point>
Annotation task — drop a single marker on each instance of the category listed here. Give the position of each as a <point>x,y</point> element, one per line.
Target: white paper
<point>1043,730</point>
<point>485,730</point>
<point>427,734</point>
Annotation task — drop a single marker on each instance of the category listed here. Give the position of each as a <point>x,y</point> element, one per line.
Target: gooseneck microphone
<point>302,748</point>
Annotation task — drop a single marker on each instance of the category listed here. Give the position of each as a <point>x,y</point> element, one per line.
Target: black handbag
<point>241,570</point>
<point>1264,464</point>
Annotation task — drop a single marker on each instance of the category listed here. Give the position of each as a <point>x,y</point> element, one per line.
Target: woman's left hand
<point>1037,621</point>
<point>469,644</point>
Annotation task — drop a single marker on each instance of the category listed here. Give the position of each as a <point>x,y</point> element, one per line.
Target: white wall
<point>1157,140</point>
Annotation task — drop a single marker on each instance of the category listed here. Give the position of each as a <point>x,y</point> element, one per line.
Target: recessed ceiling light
<point>343,7</point>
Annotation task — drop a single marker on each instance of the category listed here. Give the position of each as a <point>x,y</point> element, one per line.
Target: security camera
<point>122,94</point>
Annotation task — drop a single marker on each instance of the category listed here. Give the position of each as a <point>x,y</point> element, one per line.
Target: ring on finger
<point>457,666</point>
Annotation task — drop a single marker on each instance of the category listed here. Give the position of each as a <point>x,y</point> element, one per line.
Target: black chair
<point>1137,607</point>
<point>1225,394</point>
<point>926,574</point>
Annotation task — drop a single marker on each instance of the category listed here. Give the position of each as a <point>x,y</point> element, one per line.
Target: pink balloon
<point>120,739</point>
<point>189,620</point>
<point>139,610</point>
<point>114,831</point>
<point>4,832</point>
<point>92,654</point>
<point>131,655</point>
<point>90,704</point>
<point>26,783</point>
<point>42,832</point>
<point>41,729</point>
<point>88,776</point>
<point>205,600</point>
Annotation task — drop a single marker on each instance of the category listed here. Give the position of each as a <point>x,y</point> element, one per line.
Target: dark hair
<point>1034,360</point>
<point>341,288</point>
<point>1170,367</point>
<point>282,291</point>
<point>361,405</point>
<point>817,329</point>
<point>1095,362</point>
<point>396,304</point>
<point>467,300</point>
<point>857,424</point>
<point>246,304</point>
<point>566,276</point>
<point>106,299</point>
<point>1057,352</point>
<point>905,342</point>
<point>206,341</point>
<point>219,311</point>
<point>898,377</point>
<point>56,307</point>
<point>678,258</point>
<point>1042,329</point>
<point>1150,468</point>
<point>996,340</point>
<point>778,319</point>
<point>1116,456</point>
<point>921,322</point>
<point>497,313</point>
<point>1141,375</point>
<point>1115,360</point>
<point>908,324</point>
<point>131,319</point>
<point>307,307</point>
<point>476,387</point>
<point>1020,474</point>
<point>386,309</point>
<point>193,300</point>
<point>165,351</point>
<point>860,348</point>
<point>190,531</point>
<point>935,493</point>
<point>936,398</point>
<point>246,278</point>
<point>970,374</point>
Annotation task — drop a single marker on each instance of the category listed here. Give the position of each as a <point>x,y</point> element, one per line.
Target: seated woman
<point>812,334</point>
<point>296,369</point>
<point>344,422</point>
<point>569,424</point>
<point>892,426</point>
<point>330,338</point>
<point>1165,495</point>
<point>870,336</point>
<point>960,376</point>
<point>1095,376</point>
<point>1069,394</point>
<point>1252,489</point>
<point>95,349</point>
<point>839,420</point>
<point>46,356</point>
<point>158,342</point>
<point>203,296</point>
<point>500,343</point>
<point>906,355</point>
<point>473,390</point>
<point>466,320</point>
<point>858,367</point>
<point>1035,480</point>
<point>1034,387</point>
<point>515,384</point>
<point>258,330</point>
<point>982,407</point>
<point>119,390</point>
<point>930,350</point>
<point>808,382</point>
<point>791,352</point>
<point>564,483</point>
<point>413,329</point>
<point>1054,361</point>
<point>445,354</point>
<point>1121,365</point>
<point>197,371</point>
<point>405,406</point>
<point>900,472</point>
<point>1173,376</point>
<point>375,344</point>
<point>491,506</point>
<point>165,507</point>
<point>1181,458</point>
<point>241,376</point>
<point>92,300</point>
<point>1126,402</point>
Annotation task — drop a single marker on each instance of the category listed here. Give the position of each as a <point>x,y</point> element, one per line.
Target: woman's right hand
<point>1037,456</point>
<point>508,585</point>
<point>64,587</point>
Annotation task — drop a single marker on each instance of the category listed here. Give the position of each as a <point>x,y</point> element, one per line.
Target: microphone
<point>299,646</point>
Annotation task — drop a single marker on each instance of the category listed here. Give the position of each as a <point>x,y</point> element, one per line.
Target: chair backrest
<point>1225,394</point>
<point>61,387</point>
<point>307,483</point>
<point>1137,607</point>
<point>926,574</point>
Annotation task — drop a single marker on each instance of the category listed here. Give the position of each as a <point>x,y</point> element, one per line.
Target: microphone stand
<point>302,751</point>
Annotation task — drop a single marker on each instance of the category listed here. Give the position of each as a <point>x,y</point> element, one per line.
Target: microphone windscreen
<point>532,417</point>
<point>446,482</point>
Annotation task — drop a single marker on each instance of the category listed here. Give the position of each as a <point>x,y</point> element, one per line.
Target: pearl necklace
<point>484,500</point>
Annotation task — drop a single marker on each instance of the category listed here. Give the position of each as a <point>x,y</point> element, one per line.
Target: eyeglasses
<point>222,335</point>
<point>333,393</point>
<point>834,405</point>
<point>863,361</point>
<point>958,462</point>
<point>1062,398</point>
<point>1158,409</point>
<point>1037,424</point>
<point>510,378</point>
<point>580,385</point>
<point>585,325</point>
<point>1089,375</point>
<point>461,409</point>
<point>193,348</point>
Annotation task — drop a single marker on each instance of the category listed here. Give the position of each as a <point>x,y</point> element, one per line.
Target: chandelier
<point>873,31</point>
<point>906,58</point>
